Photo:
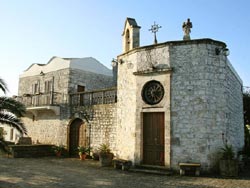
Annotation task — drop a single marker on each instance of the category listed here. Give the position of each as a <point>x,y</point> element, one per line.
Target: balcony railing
<point>105,96</point>
<point>41,99</point>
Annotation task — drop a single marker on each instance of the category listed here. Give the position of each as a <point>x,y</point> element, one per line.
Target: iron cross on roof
<point>154,29</point>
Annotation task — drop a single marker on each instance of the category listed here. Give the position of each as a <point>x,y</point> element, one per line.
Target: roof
<point>131,22</point>
<point>88,64</point>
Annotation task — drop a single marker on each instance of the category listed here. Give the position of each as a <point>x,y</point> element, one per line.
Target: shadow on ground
<point>71,172</point>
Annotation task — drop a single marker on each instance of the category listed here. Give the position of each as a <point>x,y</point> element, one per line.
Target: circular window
<point>152,92</point>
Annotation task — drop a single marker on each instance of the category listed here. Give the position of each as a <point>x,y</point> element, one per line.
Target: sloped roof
<point>131,22</point>
<point>88,64</point>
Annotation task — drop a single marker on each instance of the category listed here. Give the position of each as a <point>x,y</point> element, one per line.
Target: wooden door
<point>77,136</point>
<point>153,138</point>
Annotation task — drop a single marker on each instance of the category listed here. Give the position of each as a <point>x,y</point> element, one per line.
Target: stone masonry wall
<point>91,81</point>
<point>60,79</point>
<point>46,128</point>
<point>103,126</point>
<point>202,98</point>
<point>126,108</point>
<point>49,129</point>
<point>136,70</point>
<point>200,103</point>
<point>234,131</point>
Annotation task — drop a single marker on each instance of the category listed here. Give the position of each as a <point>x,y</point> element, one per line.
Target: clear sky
<point>33,31</point>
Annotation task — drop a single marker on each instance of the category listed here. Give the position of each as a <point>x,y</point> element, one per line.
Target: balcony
<point>42,101</point>
<point>104,96</point>
<point>53,100</point>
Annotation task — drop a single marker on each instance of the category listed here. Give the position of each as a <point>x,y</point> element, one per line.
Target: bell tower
<point>130,35</point>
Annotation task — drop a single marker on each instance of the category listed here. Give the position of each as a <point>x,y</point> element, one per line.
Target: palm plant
<point>227,152</point>
<point>11,110</point>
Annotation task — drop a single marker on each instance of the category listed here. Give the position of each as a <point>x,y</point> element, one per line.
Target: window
<point>35,88</point>
<point>80,88</point>
<point>48,86</point>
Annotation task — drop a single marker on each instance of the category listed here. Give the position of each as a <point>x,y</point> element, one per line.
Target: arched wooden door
<point>77,136</point>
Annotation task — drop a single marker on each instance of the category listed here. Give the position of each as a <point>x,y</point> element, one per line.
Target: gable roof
<point>131,22</point>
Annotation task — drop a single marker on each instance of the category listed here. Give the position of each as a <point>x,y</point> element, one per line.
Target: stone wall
<point>126,108</point>
<point>91,81</point>
<point>202,102</point>
<point>43,125</point>
<point>59,79</point>
<point>234,131</point>
<point>103,126</point>
<point>28,151</point>
<point>65,81</point>
<point>46,128</point>
<point>138,68</point>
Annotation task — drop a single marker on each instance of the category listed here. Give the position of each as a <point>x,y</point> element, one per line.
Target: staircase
<point>26,151</point>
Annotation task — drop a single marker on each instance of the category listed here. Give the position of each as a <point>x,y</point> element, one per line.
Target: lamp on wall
<point>42,73</point>
<point>114,62</point>
<point>225,51</point>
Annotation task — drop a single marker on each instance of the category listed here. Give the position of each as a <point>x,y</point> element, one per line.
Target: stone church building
<point>171,102</point>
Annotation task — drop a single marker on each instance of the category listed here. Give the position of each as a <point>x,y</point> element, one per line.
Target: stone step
<point>38,150</point>
<point>149,169</point>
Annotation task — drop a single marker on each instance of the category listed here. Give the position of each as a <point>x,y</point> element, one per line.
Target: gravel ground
<point>70,172</point>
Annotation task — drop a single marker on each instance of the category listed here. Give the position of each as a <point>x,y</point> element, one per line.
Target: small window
<point>80,88</point>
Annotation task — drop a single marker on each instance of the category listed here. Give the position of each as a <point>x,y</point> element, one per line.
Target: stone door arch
<point>77,136</point>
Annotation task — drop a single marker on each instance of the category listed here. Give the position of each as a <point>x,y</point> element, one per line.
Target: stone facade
<point>200,110</point>
<point>47,96</point>
<point>101,125</point>
<point>202,102</point>
<point>46,128</point>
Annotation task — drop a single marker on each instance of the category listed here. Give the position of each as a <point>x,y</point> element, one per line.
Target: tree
<point>246,109</point>
<point>11,110</point>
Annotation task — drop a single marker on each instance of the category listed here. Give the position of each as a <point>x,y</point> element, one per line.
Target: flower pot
<point>82,156</point>
<point>58,154</point>
<point>106,159</point>
<point>229,168</point>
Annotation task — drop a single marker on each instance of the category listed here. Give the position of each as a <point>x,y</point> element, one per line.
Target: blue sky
<point>33,31</point>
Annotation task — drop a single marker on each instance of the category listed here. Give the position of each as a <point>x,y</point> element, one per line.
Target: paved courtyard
<point>69,172</point>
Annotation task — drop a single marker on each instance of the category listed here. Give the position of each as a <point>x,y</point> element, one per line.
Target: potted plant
<point>58,150</point>
<point>82,151</point>
<point>228,165</point>
<point>105,155</point>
